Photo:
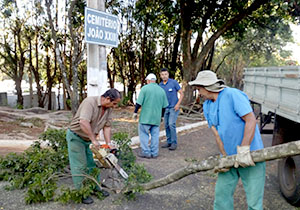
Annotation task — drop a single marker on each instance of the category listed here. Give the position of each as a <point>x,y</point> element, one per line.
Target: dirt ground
<point>192,192</point>
<point>30,123</point>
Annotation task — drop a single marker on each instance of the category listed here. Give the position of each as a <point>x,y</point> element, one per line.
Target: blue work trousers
<point>144,131</point>
<point>170,118</point>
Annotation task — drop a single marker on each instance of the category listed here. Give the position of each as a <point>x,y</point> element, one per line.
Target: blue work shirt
<point>226,115</point>
<point>171,88</point>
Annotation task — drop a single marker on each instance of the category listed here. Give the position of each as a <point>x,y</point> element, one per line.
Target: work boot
<point>142,155</point>
<point>154,157</point>
<point>173,147</point>
<point>103,192</point>
<point>88,200</point>
<point>166,145</point>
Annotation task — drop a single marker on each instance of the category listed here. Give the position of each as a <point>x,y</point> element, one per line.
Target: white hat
<point>206,78</point>
<point>151,77</point>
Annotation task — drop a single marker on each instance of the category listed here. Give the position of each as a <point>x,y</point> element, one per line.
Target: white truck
<point>276,90</point>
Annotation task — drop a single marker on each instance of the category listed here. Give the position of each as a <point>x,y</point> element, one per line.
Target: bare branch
<point>266,154</point>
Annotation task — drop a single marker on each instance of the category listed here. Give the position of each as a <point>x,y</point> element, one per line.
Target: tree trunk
<point>66,107</point>
<point>188,74</point>
<point>18,81</point>
<point>132,78</point>
<point>75,96</point>
<point>144,41</point>
<point>209,59</point>
<point>36,70</point>
<point>30,74</point>
<point>58,54</point>
<point>197,59</point>
<point>110,76</point>
<point>175,53</point>
<point>20,68</point>
<point>58,94</point>
<point>54,76</point>
<point>49,79</point>
<point>266,154</point>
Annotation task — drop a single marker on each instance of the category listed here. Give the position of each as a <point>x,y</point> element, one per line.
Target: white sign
<point>101,28</point>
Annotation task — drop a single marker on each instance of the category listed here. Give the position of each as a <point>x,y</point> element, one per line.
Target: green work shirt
<point>152,98</point>
<point>90,109</point>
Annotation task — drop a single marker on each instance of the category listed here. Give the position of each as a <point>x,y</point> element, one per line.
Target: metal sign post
<point>100,29</point>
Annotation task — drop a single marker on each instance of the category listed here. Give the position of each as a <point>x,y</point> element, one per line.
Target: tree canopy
<point>43,42</point>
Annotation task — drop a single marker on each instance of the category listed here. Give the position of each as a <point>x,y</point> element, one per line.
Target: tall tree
<point>14,47</point>
<point>260,46</point>
<point>217,17</point>
<point>74,16</point>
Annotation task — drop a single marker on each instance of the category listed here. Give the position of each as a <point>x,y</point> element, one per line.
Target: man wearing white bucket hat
<point>229,114</point>
<point>153,100</point>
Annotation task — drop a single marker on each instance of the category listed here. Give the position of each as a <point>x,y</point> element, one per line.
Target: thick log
<point>266,154</point>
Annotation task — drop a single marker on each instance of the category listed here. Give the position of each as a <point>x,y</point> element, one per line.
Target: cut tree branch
<point>266,154</point>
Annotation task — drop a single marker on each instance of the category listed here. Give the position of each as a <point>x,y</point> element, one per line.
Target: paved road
<point>192,192</point>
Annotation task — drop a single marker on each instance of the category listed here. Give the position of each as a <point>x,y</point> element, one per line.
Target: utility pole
<point>96,60</point>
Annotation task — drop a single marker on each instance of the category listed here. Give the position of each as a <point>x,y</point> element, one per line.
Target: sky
<point>295,47</point>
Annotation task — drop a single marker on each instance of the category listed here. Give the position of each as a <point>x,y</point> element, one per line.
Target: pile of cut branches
<point>39,169</point>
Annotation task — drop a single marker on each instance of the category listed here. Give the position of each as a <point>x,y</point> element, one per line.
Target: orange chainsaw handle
<point>105,146</point>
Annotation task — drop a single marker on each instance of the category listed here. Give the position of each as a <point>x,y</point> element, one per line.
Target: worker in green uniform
<point>153,101</point>
<point>93,115</point>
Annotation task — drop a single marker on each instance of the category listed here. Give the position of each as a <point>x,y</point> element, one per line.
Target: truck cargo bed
<point>276,89</point>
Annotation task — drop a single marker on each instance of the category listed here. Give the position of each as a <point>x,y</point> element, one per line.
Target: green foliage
<point>261,46</point>
<point>56,139</point>
<point>126,156</point>
<point>68,194</point>
<point>89,186</point>
<point>137,173</point>
<point>19,106</point>
<point>42,188</point>
<point>126,99</point>
<point>38,169</point>
<point>35,167</point>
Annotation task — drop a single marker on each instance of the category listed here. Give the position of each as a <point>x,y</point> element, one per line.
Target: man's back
<point>152,98</point>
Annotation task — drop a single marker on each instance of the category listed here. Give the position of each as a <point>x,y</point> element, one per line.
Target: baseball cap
<point>151,76</point>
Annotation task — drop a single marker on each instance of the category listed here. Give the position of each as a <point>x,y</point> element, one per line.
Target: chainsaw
<point>108,159</point>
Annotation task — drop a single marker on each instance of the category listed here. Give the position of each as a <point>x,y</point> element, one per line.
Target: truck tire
<point>289,179</point>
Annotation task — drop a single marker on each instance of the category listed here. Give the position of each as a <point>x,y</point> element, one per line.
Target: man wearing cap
<point>171,88</point>
<point>229,114</point>
<point>93,114</point>
<point>153,100</point>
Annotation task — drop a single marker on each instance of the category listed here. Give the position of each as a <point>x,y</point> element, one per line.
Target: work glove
<point>243,157</point>
<point>134,116</point>
<point>221,167</point>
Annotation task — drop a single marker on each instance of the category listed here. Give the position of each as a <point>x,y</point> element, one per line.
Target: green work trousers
<point>253,179</point>
<point>80,157</point>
